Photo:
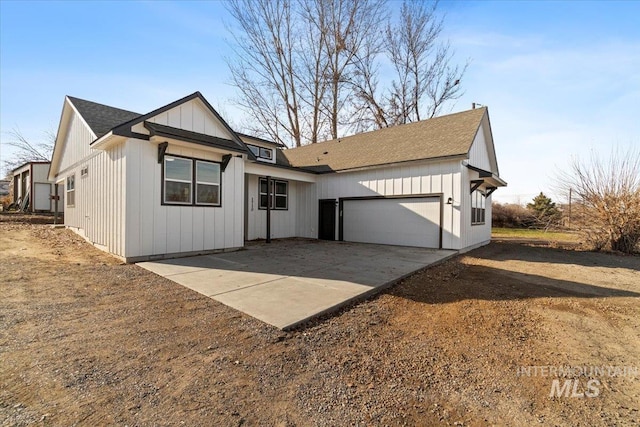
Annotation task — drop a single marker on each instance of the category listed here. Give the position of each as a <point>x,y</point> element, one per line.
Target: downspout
<point>268,209</point>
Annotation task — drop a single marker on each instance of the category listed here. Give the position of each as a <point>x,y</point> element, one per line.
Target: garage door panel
<point>396,221</point>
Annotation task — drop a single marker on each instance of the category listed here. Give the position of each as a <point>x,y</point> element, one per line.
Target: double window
<point>279,194</point>
<point>477,207</point>
<point>191,182</point>
<point>261,152</point>
<point>71,190</point>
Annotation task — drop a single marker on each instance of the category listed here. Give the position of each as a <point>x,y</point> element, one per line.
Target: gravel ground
<point>86,340</point>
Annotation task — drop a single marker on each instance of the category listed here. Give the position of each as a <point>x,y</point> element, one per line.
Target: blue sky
<point>559,78</point>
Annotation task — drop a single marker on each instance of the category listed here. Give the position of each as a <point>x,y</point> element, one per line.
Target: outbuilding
<point>32,189</point>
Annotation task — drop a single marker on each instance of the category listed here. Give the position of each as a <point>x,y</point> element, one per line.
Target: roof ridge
<point>390,128</point>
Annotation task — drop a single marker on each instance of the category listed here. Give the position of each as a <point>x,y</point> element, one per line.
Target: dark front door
<point>327,217</point>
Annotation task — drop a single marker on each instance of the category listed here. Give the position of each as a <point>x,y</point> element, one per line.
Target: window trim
<point>67,191</point>
<point>260,150</point>
<point>193,183</point>
<point>273,194</point>
<point>477,193</point>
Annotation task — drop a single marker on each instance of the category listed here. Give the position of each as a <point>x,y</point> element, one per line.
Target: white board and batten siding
<point>418,178</point>
<point>193,116</point>
<point>154,229</point>
<point>479,156</point>
<point>77,143</point>
<point>283,222</point>
<point>98,213</point>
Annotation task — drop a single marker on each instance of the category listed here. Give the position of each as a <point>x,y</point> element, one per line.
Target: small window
<point>84,172</point>
<point>261,152</point>
<point>255,150</point>
<point>266,153</point>
<point>207,183</point>
<point>177,180</point>
<point>279,194</point>
<point>71,191</point>
<point>478,207</point>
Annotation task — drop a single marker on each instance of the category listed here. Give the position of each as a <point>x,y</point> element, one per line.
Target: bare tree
<point>309,69</point>
<point>608,199</point>
<point>28,151</point>
<point>265,70</point>
<point>351,28</point>
<point>425,77</point>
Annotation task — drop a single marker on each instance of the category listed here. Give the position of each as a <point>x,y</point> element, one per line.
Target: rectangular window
<point>279,194</point>
<point>191,182</point>
<point>254,149</point>
<point>261,152</point>
<point>177,180</point>
<point>207,183</point>
<point>71,191</point>
<point>477,207</point>
<point>266,153</point>
<point>84,172</point>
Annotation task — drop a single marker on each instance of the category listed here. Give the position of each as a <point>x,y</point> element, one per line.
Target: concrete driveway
<point>290,281</point>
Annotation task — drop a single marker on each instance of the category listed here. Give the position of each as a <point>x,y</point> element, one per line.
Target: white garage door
<point>404,222</point>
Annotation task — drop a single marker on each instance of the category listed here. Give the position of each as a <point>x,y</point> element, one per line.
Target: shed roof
<point>439,137</point>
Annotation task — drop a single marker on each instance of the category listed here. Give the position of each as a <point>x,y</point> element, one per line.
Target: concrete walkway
<point>290,281</point>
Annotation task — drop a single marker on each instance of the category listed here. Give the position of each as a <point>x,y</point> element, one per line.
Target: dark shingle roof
<point>101,118</point>
<point>189,136</point>
<point>444,136</point>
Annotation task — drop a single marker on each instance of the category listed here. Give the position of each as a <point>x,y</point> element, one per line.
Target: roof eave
<point>106,141</point>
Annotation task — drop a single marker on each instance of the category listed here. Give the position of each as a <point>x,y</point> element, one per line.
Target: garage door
<point>404,222</point>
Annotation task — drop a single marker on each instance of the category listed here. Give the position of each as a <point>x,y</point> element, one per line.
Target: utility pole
<point>569,223</point>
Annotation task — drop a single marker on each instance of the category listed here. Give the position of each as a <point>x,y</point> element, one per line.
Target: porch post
<point>268,209</point>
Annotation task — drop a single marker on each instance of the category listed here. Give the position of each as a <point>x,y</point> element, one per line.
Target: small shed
<point>32,190</point>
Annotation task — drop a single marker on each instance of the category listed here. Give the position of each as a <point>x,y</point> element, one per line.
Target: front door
<point>327,220</point>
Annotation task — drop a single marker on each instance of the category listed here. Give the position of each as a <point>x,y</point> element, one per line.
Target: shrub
<point>608,199</point>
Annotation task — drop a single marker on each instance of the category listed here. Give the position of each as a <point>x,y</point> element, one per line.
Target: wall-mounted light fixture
<point>450,201</point>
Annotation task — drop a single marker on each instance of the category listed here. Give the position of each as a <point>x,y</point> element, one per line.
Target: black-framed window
<point>279,194</point>
<point>478,207</point>
<point>71,190</point>
<point>188,181</point>
<point>261,152</point>
<point>207,183</point>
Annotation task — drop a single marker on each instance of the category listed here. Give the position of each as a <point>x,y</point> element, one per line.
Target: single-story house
<point>32,189</point>
<point>179,181</point>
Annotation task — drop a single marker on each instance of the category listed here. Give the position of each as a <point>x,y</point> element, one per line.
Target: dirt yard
<point>85,340</point>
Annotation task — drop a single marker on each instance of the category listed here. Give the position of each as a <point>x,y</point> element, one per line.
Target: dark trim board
<point>408,196</point>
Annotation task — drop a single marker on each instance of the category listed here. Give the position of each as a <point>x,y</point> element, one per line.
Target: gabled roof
<point>440,137</point>
<point>124,128</point>
<point>101,118</point>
